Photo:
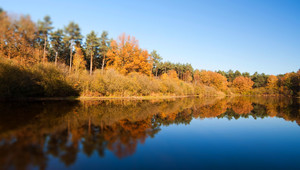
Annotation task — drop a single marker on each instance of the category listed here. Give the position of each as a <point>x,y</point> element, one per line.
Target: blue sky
<point>244,35</point>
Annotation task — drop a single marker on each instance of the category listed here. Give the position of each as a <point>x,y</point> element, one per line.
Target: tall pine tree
<point>73,36</point>
<point>44,28</point>
<point>92,47</point>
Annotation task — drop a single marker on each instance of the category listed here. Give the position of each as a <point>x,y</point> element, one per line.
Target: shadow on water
<point>31,132</point>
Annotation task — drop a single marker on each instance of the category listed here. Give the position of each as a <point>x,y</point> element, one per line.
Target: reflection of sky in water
<point>209,143</point>
<point>151,134</point>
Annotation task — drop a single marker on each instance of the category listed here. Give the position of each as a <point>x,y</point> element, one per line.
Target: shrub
<point>42,80</point>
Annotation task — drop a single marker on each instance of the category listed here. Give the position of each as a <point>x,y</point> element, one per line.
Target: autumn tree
<point>78,62</point>
<point>6,32</point>
<point>242,84</point>
<point>241,105</point>
<point>172,74</point>
<point>22,41</point>
<point>126,56</point>
<point>73,36</point>
<point>272,82</point>
<point>92,47</point>
<point>289,83</point>
<point>213,79</point>
<point>44,27</point>
<point>197,76</point>
<point>187,76</point>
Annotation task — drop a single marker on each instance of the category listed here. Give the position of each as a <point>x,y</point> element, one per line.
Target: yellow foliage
<point>164,76</point>
<point>242,84</point>
<point>212,79</point>
<point>78,61</point>
<point>272,82</point>
<point>126,56</point>
<point>172,74</point>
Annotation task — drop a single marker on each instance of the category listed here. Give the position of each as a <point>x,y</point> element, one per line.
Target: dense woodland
<point>37,60</point>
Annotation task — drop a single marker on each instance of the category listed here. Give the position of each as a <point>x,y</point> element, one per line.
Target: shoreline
<point>82,98</point>
<point>85,98</point>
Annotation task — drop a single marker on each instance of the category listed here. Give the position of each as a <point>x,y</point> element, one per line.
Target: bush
<point>17,81</point>
<point>48,80</point>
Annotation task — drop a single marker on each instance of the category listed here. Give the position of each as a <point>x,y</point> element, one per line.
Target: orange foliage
<point>211,110</point>
<point>78,61</point>
<point>164,76</point>
<point>17,38</point>
<point>242,106</point>
<point>126,56</point>
<point>213,79</point>
<point>197,76</point>
<point>187,76</point>
<point>242,84</point>
<point>272,82</point>
<point>172,74</point>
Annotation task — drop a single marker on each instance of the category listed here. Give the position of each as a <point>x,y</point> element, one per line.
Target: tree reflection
<point>31,132</point>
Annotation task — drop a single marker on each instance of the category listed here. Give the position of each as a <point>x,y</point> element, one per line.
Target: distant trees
<point>242,84</point>
<point>260,80</point>
<point>289,83</point>
<point>272,82</point>
<point>210,78</point>
<point>29,43</point>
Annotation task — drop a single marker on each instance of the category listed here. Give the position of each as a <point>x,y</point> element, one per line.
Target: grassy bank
<point>55,82</point>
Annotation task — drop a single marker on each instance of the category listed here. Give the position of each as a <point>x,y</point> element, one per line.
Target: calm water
<point>231,133</point>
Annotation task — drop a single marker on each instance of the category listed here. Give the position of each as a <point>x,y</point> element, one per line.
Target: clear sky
<point>244,35</point>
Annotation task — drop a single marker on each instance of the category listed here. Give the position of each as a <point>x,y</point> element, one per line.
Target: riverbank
<point>47,81</point>
<point>82,98</point>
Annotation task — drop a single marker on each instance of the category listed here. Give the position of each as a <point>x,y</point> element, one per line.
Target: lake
<point>186,133</point>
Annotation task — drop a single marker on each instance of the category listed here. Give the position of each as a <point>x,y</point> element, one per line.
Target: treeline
<point>44,62</point>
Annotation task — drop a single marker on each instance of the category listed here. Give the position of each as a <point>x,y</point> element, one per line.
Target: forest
<point>37,60</point>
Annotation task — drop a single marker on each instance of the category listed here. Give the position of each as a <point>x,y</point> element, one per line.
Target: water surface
<point>207,133</point>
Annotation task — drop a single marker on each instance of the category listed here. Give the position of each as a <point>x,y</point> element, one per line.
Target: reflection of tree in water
<point>210,110</point>
<point>241,105</point>
<point>29,133</point>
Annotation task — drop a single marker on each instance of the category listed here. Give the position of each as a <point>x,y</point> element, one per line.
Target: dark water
<point>231,133</point>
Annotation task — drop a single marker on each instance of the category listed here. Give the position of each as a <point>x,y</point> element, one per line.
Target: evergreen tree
<point>156,60</point>
<point>73,36</point>
<point>44,28</point>
<point>104,47</point>
<point>57,43</point>
<point>92,47</point>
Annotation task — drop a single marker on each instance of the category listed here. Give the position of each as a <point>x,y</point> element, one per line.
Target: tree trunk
<point>70,58</point>
<point>103,62</point>
<point>91,65</point>
<point>56,53</point>
<point>44,54</point>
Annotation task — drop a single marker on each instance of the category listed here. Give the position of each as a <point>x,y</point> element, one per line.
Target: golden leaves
<point>242,84</point>
<point>126,56</point>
